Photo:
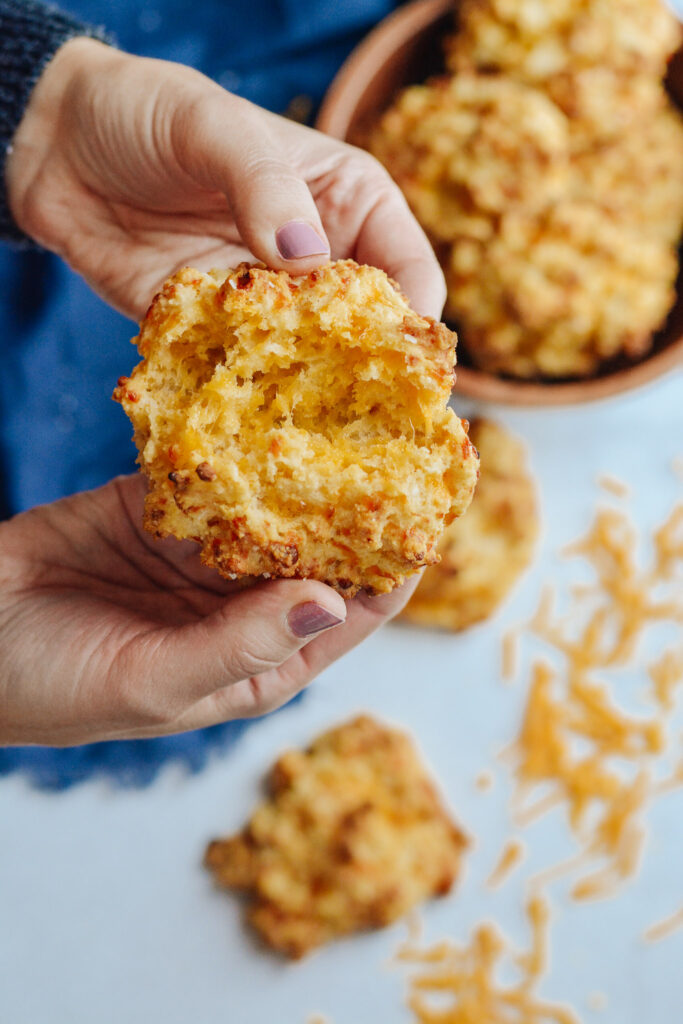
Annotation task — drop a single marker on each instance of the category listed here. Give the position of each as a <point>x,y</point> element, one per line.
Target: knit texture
<point>30,35</point>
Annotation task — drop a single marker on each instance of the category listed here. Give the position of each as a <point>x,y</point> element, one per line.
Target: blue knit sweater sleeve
<point>30,35</point>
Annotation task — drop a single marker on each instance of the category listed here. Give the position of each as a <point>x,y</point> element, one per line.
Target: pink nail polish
<point>309,618</point>
<point>295,240</point>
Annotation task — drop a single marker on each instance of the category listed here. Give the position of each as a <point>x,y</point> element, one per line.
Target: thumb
<point>255,631</point>
<point>229,146</point>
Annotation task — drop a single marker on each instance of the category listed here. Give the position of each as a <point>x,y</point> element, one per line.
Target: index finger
<point>391,238</point>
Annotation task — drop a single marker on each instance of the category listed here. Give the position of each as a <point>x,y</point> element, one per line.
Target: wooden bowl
<point>406,48</point>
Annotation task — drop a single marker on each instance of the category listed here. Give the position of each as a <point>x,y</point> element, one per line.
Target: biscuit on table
<point>352,836</point>
<point>299,426</point>
<point>484,553</point>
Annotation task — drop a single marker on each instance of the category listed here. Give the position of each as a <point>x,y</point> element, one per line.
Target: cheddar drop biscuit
<point>557,293</point>
<point>599,60</point>
<point>637,177</point>
<point>299,426</point>
<point>459,147</point>
<point>484,553</point>
<point>352,836</point>
<point>534,39</point>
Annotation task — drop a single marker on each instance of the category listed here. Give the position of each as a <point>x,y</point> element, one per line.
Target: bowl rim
<point>344,94</point>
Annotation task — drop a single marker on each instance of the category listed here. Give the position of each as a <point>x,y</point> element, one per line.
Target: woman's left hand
<point>130,168</point>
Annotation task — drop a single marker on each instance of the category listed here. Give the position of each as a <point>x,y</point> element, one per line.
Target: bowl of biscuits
<point>541,148</point>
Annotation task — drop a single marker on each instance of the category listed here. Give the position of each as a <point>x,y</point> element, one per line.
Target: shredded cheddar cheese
<point>578,746</point>
<point>616,487</point>
<point>511,856</point>
<point>664,928</point>
<point>667,674</point>
<point>510,654</point>
<point>459,984</point>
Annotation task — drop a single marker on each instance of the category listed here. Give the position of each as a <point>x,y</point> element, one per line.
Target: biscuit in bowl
<point>472,144</point>
<point>560,292</point>
<point>637,177</point>
<point>536,38</point>
<point>299,426</point>
<point>598,60</point>
<point>352,836</point>
<point>485,552</point>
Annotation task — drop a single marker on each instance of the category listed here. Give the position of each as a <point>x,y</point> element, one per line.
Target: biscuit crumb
<point>597,1001</point>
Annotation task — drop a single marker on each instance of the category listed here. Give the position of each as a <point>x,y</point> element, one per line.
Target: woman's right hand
<point>107,633</point>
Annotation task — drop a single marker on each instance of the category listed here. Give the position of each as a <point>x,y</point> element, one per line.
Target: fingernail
<point>297,239</point>
<point>309,618</point>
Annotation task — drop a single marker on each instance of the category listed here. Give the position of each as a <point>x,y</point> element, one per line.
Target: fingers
<point>227,144</point>
<point>264,693</point>
<point>367,217</point>
<point>391,238</point>
<point>260,163</point>
<point>252,633</point>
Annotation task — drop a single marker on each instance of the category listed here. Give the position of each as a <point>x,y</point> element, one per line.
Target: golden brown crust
<point>534,39</point>
<point>353,835</point>
<point>298,427</point>
<point>484,553</point>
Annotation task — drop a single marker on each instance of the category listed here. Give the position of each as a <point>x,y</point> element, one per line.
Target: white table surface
<point>106,914</point>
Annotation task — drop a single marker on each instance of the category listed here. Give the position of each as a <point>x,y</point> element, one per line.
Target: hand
<point>106,632</point>
<point>130,168</point>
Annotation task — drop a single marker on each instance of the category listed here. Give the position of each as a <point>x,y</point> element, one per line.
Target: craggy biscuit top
<point>298,426</point>
<point>472,143</point>
<point>600,61</point>
<point>352,836</point>
<point>546,170</point>
<point>560,291</point>
<point>632,35</point>
<point>537,39</point>
<point>484,553</point>
<point>637,176</point>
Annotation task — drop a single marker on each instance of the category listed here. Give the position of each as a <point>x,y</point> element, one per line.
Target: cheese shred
<point>459,984</point>
<point>664,928</point>
<point>511,856</point>
<point>578,746</point>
